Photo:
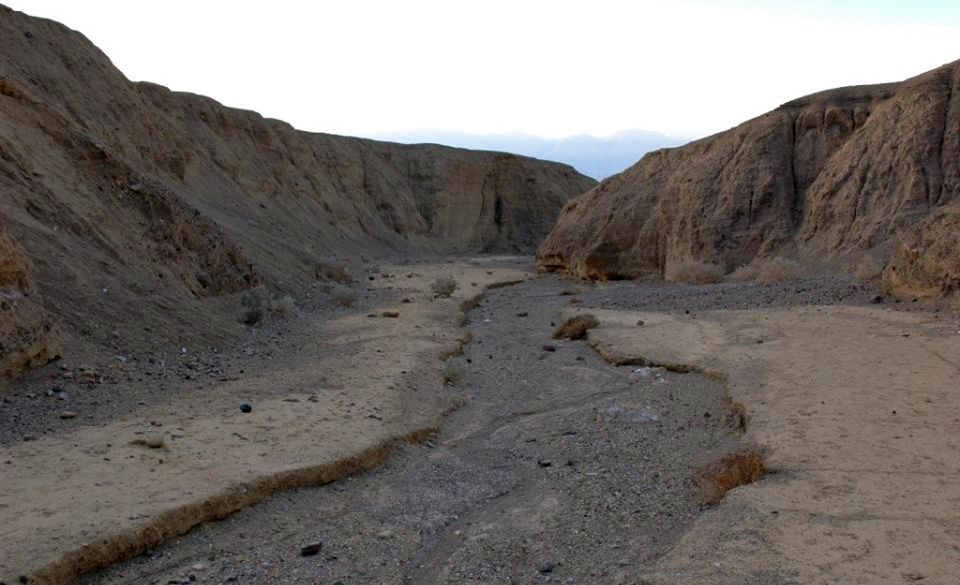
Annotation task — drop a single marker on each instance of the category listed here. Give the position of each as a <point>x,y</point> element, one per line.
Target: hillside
<point>132,203</point>
<point>829,178</point>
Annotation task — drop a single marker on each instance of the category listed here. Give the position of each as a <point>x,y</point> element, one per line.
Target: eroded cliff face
<point>133,203</point>
<point>830,175</point>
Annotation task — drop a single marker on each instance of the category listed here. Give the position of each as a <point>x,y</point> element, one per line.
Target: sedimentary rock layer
<point>828,177</point>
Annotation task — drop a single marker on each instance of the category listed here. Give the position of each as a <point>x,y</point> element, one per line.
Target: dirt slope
<point>828,177</point>
<point>135,203</point>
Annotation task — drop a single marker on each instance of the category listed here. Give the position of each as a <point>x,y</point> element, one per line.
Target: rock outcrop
<point>133,202</point>
<point>27,337</point>
<point>828,177</point>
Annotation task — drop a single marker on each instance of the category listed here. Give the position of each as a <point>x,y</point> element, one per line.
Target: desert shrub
<point>454,370</point>
<point>694,272</point>
<point>734,469</point>
<point>777,270</point>
<point>256,301</point>
<point>767,271</point>
<point>259,303</point>
<point>443,286</point>
<point>868,269</point>
<point>334,273</point>
<point>284,307</point>
<point>576,327</point>
<point>344,296</point>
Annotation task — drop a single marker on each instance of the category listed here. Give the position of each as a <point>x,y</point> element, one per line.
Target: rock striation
<point>134,202</point>
<point>828,178</point>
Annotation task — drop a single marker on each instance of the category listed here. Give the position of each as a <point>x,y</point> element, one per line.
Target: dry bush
<point>576,327</point>
<point>443,286</point>
<point>777,270</point>
<point>334,273</point>
<point>454,370</point>
<point>869,269</point>
<point>259,303</point>
<point>694,272</point>
<point>734,469</point>
<point>344,296</point>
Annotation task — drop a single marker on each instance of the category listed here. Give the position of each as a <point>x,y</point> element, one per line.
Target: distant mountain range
<point>597,157</point>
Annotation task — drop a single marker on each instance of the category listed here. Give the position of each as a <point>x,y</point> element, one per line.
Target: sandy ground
<point>557,468</point>
<point>860,407</point>
<point>551,469</point>
<point>346,388</point>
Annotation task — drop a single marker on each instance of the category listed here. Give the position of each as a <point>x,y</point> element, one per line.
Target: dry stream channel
<point>558,467</point>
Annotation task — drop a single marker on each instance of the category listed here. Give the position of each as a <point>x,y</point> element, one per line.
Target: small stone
<point>547,568</point>
<point>246,408</point>
<point>385,534</point>
<point>523,314</point>
<point>391,314</point>
<point>548,347</point>
<point>640,322</point>
<point>312,549</point>
<point>198,566</point>
<point>876,299</point>
<point>544,462</point>
<point>68,414</point>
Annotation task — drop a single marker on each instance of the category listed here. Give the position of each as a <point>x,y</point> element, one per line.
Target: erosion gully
<point>557,468</point>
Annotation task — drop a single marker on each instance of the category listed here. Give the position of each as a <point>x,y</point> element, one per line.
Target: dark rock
<point>309,550</point>
<point>548,347</point>
<point>246,408</point>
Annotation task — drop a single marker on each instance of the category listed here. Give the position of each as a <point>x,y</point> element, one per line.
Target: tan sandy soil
<point>860,407</point>
<point>84,498</point>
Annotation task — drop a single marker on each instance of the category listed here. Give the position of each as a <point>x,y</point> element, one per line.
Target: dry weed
<point>694,272</point>
<point>734,469</point>
<point>576,327</point>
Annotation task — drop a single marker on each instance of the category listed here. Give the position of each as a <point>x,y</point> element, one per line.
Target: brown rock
<point>27,335</point>
<point>822,177</point>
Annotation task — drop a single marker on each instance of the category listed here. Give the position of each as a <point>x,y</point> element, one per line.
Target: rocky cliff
<point>828,177</point>
<point>132,201</point>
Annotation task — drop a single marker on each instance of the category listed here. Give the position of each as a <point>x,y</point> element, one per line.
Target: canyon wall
<point>829,177</point>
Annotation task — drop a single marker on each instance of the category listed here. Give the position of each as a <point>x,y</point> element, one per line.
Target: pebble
<point>312,549</point>
<point>391,314</point>
<point>548,347</point>
<point>68,414</point>
<point>246,408</point>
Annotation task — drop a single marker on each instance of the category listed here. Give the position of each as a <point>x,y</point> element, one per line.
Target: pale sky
<point>546,67</point>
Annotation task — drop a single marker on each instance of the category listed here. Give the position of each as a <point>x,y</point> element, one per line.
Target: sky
<point>550,68</point>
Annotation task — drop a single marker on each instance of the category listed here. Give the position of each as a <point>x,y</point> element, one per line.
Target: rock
<point>817,176</point>
<point>27,336</point>
<point>876,299</point>
<point>547,567</point>
<point>549,347</point>
<point>391,314</point>
<point>68,414</point>
<point>149,441</point>
<point>312,549</point>
<point>246,408</point>
<point>385,534</point>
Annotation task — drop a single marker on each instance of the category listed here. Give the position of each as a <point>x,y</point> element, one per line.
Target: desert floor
<point>547,461</point>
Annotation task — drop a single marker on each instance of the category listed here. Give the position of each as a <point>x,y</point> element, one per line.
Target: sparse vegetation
<point>333,272</point>
<point>734,469</point>
<point>777,270</point>
<point>576,327</point>
<point>443,286</point>
<point>454,370</point>
<point>767,271</point>
<point>694,272</point>
<point>259,303</point>
<point>868,269</point>
<point>344,296</point>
